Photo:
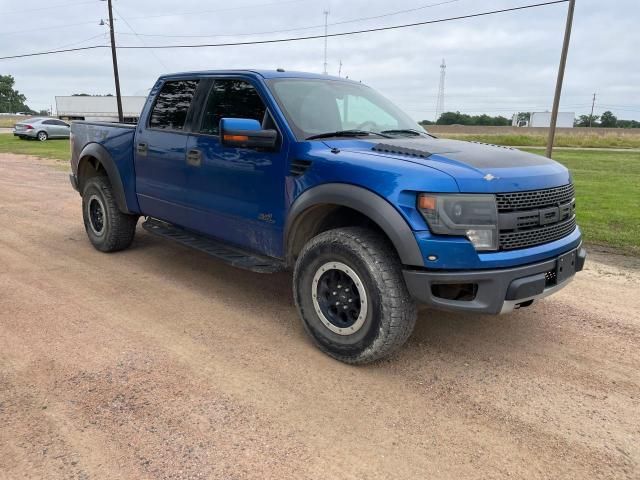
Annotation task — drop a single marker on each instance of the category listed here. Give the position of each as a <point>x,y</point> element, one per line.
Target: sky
<point>498,64</point>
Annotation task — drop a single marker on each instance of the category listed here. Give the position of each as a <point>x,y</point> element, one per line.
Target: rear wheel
<point>42,136</point>
<point>108,229</point>
<point>351,295</point>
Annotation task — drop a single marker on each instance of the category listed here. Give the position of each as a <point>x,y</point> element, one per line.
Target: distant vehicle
<point>278,170</point>
<point>42,129</point>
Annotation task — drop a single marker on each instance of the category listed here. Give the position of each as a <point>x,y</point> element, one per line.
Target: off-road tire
<point>391,313</point>
<point>118,229</point>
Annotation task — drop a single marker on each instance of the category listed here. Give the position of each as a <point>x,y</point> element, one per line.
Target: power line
<point>218,10</point>
<point>296,39</point>
<point>141,40</point>
<point>310,27</point>
<point>55,27</point>
<point>75,4</point>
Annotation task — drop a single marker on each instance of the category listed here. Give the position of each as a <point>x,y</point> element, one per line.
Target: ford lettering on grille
<point>531,218</point>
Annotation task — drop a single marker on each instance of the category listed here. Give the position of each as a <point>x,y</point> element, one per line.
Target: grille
<point>508,202</point>
<point>536,236</point>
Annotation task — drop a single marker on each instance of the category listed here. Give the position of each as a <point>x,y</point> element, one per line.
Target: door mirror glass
<point>246,133</point>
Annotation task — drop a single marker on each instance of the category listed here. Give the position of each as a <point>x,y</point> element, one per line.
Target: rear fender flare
<point>97,151</point>
<point>379,210</point>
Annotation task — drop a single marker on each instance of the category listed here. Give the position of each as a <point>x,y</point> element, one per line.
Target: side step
<point>231,255</point>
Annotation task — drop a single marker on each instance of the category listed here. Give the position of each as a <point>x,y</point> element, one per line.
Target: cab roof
<point>267,74</point>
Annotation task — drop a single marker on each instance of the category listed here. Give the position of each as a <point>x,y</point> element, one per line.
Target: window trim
<point>186,129</point>
<point>198,122</point>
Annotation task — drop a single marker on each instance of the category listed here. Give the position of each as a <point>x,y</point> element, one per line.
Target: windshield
<point>316,107</point>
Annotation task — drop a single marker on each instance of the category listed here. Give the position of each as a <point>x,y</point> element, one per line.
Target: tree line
<point>606,120</point>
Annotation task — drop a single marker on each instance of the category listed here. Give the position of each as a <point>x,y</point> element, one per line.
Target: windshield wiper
<point>408,131</point>
<point>345,133</point>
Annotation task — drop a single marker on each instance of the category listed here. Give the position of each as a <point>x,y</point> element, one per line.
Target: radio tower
<point>440,102</point>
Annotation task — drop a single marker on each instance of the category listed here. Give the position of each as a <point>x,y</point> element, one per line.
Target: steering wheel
<point>364,124</point>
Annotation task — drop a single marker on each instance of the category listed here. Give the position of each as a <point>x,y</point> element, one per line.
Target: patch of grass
<point>52,148</point>
<point>562,140</point>
<point>607,196</point>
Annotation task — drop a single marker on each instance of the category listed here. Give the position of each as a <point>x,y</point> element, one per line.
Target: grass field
<point>608,196</point>
<point>58,149</point>
<point>562,140</point>
<point>607,185</point>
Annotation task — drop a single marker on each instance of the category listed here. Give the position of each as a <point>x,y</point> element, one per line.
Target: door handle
<point>141,148</point>
<point>194,158</point>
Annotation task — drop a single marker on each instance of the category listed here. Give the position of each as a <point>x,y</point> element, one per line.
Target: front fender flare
<point>101,154</point>
<point>379,210</point>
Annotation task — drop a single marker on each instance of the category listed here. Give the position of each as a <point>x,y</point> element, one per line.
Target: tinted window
<point>172,104</point>
<point>231,99</point>
<point>320,106</point>
<point>49,122</point>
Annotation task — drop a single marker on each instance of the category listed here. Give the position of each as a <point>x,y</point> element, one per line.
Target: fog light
<point>432,258</point>
<point>482,239</point>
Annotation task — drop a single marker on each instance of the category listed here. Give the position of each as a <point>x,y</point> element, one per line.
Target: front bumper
<point>494,291</point>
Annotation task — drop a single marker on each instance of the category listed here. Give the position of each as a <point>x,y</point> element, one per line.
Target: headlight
<point>471,216</point>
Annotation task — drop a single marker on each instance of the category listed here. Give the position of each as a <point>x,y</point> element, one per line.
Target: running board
<point>231,255</point>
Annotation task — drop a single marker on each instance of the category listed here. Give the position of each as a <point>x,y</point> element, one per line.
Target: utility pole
<point>563,63</point>
<point>340,69</point>
<point>440,101</point>
<point>326,32</point>
<point>115,63</point>
<point>593,104</point>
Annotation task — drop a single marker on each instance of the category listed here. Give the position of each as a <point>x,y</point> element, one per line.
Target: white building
<point>543,119</point>
<point>95,108</point>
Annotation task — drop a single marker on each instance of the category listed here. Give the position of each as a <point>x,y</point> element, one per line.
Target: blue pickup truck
<point>276,170</point>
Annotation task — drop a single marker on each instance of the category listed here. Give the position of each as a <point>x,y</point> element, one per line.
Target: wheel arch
<point>96,160</point>
<point>309,213</point>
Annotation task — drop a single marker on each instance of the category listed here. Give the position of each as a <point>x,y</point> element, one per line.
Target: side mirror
<point>246,133</point>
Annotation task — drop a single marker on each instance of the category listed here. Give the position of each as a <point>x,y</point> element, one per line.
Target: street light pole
<point>115,63</point>
<point>563,63</point>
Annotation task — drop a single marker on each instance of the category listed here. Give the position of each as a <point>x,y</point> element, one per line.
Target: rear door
<point>160,153</point>
<point>240,191</point>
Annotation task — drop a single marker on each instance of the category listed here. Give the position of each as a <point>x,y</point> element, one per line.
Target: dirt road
<point>160,362</point>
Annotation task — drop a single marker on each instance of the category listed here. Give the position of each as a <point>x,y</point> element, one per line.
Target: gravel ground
<point>160,362</point>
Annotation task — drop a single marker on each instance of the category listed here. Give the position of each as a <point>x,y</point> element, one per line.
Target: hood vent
<point>400,150</point>
<point>492,145</point>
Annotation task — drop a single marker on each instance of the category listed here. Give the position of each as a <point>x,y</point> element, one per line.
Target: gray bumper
<point>496,291</point>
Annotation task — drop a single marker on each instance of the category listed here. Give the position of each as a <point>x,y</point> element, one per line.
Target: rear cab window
<point>172,105</point>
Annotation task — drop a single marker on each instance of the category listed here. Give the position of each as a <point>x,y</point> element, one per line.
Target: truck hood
<point>476,167</point>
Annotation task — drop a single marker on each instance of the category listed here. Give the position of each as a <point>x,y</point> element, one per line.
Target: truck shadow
<point>270,296</point>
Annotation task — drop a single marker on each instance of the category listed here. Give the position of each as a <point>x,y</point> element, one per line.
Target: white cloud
<point>497,64</point>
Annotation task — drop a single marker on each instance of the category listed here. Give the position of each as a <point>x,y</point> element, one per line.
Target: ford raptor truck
<point>276,170</point>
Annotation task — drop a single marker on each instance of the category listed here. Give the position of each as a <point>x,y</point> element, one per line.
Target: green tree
<point>608,120</point>
<point>11,100</point>
<point>457,118</point>
<point>585,120</point>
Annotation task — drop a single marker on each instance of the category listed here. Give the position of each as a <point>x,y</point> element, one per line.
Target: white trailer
<point>543,119</point>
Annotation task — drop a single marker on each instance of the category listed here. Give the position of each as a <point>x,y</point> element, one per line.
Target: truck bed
<point>105,139</point>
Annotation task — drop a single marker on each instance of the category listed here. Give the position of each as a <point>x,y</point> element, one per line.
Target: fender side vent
<point>398,150</point>
<point>299,167</point>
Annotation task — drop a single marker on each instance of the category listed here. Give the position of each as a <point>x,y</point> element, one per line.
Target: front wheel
<point>108,229</point>
<point>351,295</point>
